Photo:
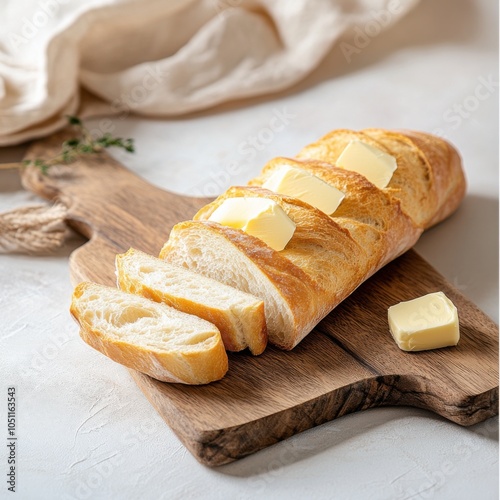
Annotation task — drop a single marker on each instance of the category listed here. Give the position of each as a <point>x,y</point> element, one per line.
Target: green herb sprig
<point>83,144</point>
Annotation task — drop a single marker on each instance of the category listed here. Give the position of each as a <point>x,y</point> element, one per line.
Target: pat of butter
<point>428,322</point>
<point>307,187</point>
<point>369,161</point>
<point>260,217</point>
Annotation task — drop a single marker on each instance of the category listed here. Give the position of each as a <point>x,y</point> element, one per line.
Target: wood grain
<point>348,363</point>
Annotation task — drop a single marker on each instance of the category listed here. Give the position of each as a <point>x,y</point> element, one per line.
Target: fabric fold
<point>162,58</point>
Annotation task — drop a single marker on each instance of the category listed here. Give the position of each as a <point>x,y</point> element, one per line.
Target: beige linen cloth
<point>163,57</point>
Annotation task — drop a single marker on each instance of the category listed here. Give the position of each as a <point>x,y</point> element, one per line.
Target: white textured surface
<point>86,431</point>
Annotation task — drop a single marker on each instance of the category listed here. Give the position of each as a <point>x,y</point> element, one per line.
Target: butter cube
<point>305,186</point>
<point>369,161</point>
<point>260,217</point>
<point>428,322</point>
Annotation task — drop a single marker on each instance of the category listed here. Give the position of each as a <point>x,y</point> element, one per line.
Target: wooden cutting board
<point>348,363</point>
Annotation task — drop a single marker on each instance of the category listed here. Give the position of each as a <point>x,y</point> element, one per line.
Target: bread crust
<point>449,179</point>
<point>329,257</point>
<point>185,367</point>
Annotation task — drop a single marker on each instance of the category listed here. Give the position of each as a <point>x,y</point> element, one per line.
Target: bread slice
<point>239,316</point>
<point>149,337</point>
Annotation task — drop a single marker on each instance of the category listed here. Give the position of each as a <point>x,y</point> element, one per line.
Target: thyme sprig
<point>83,144</point>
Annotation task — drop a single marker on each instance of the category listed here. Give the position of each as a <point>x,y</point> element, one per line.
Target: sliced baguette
<point>327,257</point>
<point>149,337</point>
<point>239,316</point>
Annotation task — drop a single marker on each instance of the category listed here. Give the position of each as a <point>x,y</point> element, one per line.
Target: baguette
<point>149,337</point>
<point>328,257</point>
<point>238,315</point>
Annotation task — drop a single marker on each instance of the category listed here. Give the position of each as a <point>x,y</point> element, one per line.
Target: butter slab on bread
<point>149,337</point>
<point>327,258</point>
<point>239,316</point>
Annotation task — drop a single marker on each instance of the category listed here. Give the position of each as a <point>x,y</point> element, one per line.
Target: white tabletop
<point>86,431</point>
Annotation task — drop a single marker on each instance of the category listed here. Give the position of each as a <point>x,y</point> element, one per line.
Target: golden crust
<point>448,176</point>
<point>196,367</point>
